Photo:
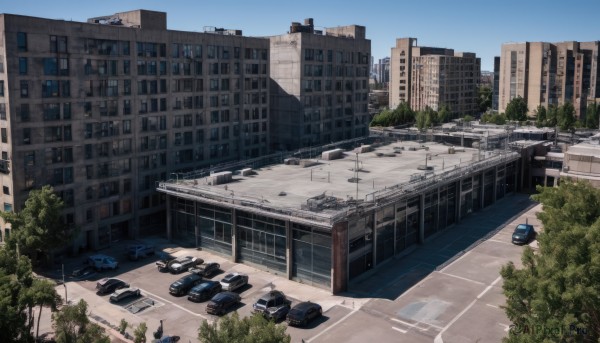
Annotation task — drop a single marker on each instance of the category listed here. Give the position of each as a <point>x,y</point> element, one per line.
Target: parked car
<point>124,293</point>
<point>183,285</point>
<point>102,262</point>
<point>233,281</point>
<point>204,291</point>
<point>137,251</point>
<point>184,263</point>
<point>109,285</point>
<point>163,262</point>
<point>271,299</point>
<point>167,339</point>
<point>222,302</point>
<point>207,269</point>
<point>278,313</point>
<point>84,272</point>
<point>303,313</point>
<point>523,234</point>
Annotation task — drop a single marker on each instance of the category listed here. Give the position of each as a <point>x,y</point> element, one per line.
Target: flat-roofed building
<point>102,110</point>
<point>433,77</point>
<point>343,213</point>
<point>547,74</point>
<point>320,85</point>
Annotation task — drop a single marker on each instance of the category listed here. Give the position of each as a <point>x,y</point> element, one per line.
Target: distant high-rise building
<point>549,74</point>
<point>319,85</point>
<point>383,72</point>
<point>433,77</point>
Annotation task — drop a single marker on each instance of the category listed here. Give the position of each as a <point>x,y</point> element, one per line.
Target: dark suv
<point>271,299</point>
<point>222,302</point>
<point>204,291</point>
<point>183,285</point>
<point>303,313</point>
<point>109,285</point>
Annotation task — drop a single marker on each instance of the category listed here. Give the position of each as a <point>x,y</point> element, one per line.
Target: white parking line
<point>494,306</point>
<point>416,325</point>
<point>178,306</point>
<point>330,327</point>
<point>506,327</point>
<point>398,329</point>
<point>462,278</point>
<point>489,287</point>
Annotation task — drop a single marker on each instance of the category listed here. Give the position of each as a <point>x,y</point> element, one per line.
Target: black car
<point>207,269</point>
<point>183,285</point>
<point>84,272</point>
<point>204,291</point>
<point>220,303</point>
<point>109,285</point>
<point>278,313</point>
<point>303,313</point>
<point>523,234</point>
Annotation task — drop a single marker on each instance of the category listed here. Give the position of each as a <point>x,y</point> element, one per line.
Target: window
<point>1,88</point>
<point>4,135</point>
<point>6,190</point>
<point>22,41</point>
<point>22,65</point>
<point>50,88</point>
<point>24,89</point>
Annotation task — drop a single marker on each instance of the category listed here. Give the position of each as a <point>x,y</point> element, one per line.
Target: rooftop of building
<point>323,190</point>
<point>587,148</point>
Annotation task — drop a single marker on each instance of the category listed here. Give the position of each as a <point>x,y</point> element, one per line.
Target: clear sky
<point>479,26</point>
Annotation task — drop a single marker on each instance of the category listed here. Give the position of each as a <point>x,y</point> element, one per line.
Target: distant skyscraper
<point>496,87</point>
<point>549,74</point>
<point>383,72</point>
<point>433,77</point>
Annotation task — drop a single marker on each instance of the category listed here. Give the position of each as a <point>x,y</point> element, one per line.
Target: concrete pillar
<point>169,224</point>
<point>374,221</point>
<point>458,200</point>
<point>495,184</point>
<point>234,236</point>
<point>481,190</point>
<point>197,226</point>
<point>339,258</point>
<point>289,257</point>
<point>422,218</point>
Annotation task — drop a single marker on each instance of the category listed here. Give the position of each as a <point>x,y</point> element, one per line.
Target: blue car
<point>523,234</point>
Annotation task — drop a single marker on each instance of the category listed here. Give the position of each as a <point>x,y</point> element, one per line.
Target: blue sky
<point>479,26</point>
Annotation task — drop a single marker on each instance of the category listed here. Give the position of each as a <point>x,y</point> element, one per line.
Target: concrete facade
<point>103,110</point>
<point>319,85</point>
<point>547,74</point>
<point>325,228</point>
<point>433,77</point>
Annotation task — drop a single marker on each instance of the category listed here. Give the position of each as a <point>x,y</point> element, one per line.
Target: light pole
<point>176,177</point>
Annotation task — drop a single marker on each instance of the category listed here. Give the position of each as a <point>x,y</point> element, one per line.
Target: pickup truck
<point>136,251</point>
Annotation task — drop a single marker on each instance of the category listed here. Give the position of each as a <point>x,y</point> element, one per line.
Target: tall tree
<point>443,114</point>
<point>39,227</point>
<point>540,116</point>
<point>591,116</point>
<point>566,116</point>
<point>72,325</point>
<point>15,279</point>
<point>517,109</point>
<point>558,288</point>
<point>253,329</point>
<point>44,294</point>
<point>484,98</point>
<point>139,334</point>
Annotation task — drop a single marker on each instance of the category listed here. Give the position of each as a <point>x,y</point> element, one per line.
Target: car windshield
<point>521,229</point>
<point>262,302</point>
<point>228,278</point>
<point>296,312</point>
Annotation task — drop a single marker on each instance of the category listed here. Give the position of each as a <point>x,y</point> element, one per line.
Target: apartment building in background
<point>319,85</point>
<point>547,74</point>
<point>433,77</point>
<point>496,87</point>
<point>383,71</point>
<point>105,109</point>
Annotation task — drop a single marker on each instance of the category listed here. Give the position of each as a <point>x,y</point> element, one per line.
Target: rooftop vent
<point>219,178</point>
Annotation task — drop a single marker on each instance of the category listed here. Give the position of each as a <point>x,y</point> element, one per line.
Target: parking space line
<point>498,241</point>
<point>458,259</point>
<point>462,278</point>
<point>494,306</point>
<point>506,327</point>
<point>178,306</point>
<point>416,325</point>
<point>489,287</point>
<point>331,326</point>
<point>398,329</point>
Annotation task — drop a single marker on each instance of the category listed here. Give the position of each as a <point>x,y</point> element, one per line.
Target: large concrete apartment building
<point>103,110</point>
<point>433,77</point>
<point>319,90</point>
<point>549,74</point>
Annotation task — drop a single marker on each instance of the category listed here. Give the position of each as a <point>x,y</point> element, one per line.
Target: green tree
<point>592,113</point>
<point>139,334</point>
<point>517,109</point>
<point>72,325</point>
<point>39,227</point>
<point>15,279</point>
<point>484,98</point>
<point>443,114</point>
<point>558,287</point>
<point>552,116</point>
<point>254,329</point>
<point>44,294</point>
<point>403,114</point>
<point>566,116</point>
<point>421,120</point>
<point>540,116</point>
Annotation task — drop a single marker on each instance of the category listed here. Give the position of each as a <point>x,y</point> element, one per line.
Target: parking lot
<point>447,290</point>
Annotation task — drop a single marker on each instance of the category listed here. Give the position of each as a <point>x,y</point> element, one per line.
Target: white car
<point>233,281</point>
<point>102,262</point>
<point>124,293</point>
